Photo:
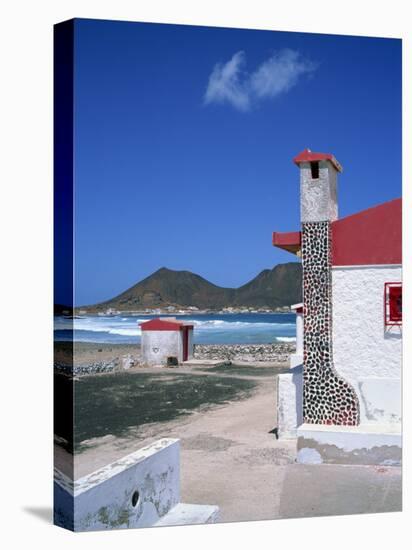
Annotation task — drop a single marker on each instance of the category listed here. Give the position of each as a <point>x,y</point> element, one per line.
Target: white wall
<point>289,402</point>
<point>318,197</point>
<point>299,333</point>
<point>104,499</point>
<point>157,345</point>
<point>297,357</point>
<point>190,346</point>
<point>141,489</point>
<point>365,353</point>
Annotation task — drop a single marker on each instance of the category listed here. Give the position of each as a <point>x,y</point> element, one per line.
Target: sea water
<point>226,328</point>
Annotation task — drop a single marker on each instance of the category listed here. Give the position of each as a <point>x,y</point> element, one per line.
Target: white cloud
<point>278,74</point>
<point>225,84</point>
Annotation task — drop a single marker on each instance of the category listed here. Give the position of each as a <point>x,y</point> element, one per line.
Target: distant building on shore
<point>166,341</point>
<point>349,389</point>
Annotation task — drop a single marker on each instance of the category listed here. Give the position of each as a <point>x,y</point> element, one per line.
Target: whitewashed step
<point>189,514</point>
<point>207,363</point>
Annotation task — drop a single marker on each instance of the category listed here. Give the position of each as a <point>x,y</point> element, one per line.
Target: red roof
<point>308,156</point>
<point>163,324</point>
<point>373,236</point>
<point>370,237</point>
<point>287,241</point>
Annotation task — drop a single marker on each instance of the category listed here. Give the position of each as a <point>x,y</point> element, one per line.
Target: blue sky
<point>184,139</point>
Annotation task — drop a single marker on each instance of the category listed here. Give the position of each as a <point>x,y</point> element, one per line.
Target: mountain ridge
<point>271,288</point>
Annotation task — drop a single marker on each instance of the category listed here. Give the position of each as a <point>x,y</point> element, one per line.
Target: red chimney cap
<point>308,156</point>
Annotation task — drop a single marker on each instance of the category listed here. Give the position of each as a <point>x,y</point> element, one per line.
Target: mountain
<point>167,287</point>
<point>280,286</point>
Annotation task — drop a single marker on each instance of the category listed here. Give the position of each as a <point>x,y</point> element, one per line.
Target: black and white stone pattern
<point>327,397</point>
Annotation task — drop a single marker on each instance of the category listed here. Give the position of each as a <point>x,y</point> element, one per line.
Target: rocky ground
<point>89,358</point>
<point>246,353</point>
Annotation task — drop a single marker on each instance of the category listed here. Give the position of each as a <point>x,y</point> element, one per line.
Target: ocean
<point>227,328</point>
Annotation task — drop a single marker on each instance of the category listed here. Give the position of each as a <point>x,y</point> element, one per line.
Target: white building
<point>352,325</point>
<point>166,341</point>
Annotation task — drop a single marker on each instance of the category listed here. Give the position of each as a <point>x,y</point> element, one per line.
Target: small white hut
<point>166,341</point>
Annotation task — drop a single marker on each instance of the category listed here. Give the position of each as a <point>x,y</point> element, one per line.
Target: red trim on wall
<point>392,309</point>
<point>185,343</point>
<point>373,236</point>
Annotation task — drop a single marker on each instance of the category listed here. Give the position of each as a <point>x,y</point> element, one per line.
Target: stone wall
<point>249,353</point>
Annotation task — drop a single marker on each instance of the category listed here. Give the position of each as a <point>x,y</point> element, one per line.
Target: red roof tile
<point>287,241</point>
<point>308,156</point>
<point>162,324</point>
<point>372,236</point>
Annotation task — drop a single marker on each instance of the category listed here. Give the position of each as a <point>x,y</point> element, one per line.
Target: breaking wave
<point>217,329</point>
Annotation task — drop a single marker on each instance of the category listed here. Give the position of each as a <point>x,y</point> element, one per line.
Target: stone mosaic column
<point>327,397</point>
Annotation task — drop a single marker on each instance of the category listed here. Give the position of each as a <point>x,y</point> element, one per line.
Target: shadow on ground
<point>44,513</point>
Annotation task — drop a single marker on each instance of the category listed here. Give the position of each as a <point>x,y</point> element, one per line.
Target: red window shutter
<point>395,303</point>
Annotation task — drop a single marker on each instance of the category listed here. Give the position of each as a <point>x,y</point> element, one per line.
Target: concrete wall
<point>158,345</point>
<point>289,402</point>
<point>318,197</point>
<point>364,444</point>
<point>365,353</point>
<point>190,346</point>
<point>135,491</point>
<point>297,357</point>
<point>139,490</point>
<point>299,333</point>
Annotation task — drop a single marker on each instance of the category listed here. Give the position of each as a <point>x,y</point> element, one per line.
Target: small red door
<point>185,343</point>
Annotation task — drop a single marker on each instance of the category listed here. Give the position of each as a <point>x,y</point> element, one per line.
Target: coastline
<point>171,310</point>
<point>86,358</point>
